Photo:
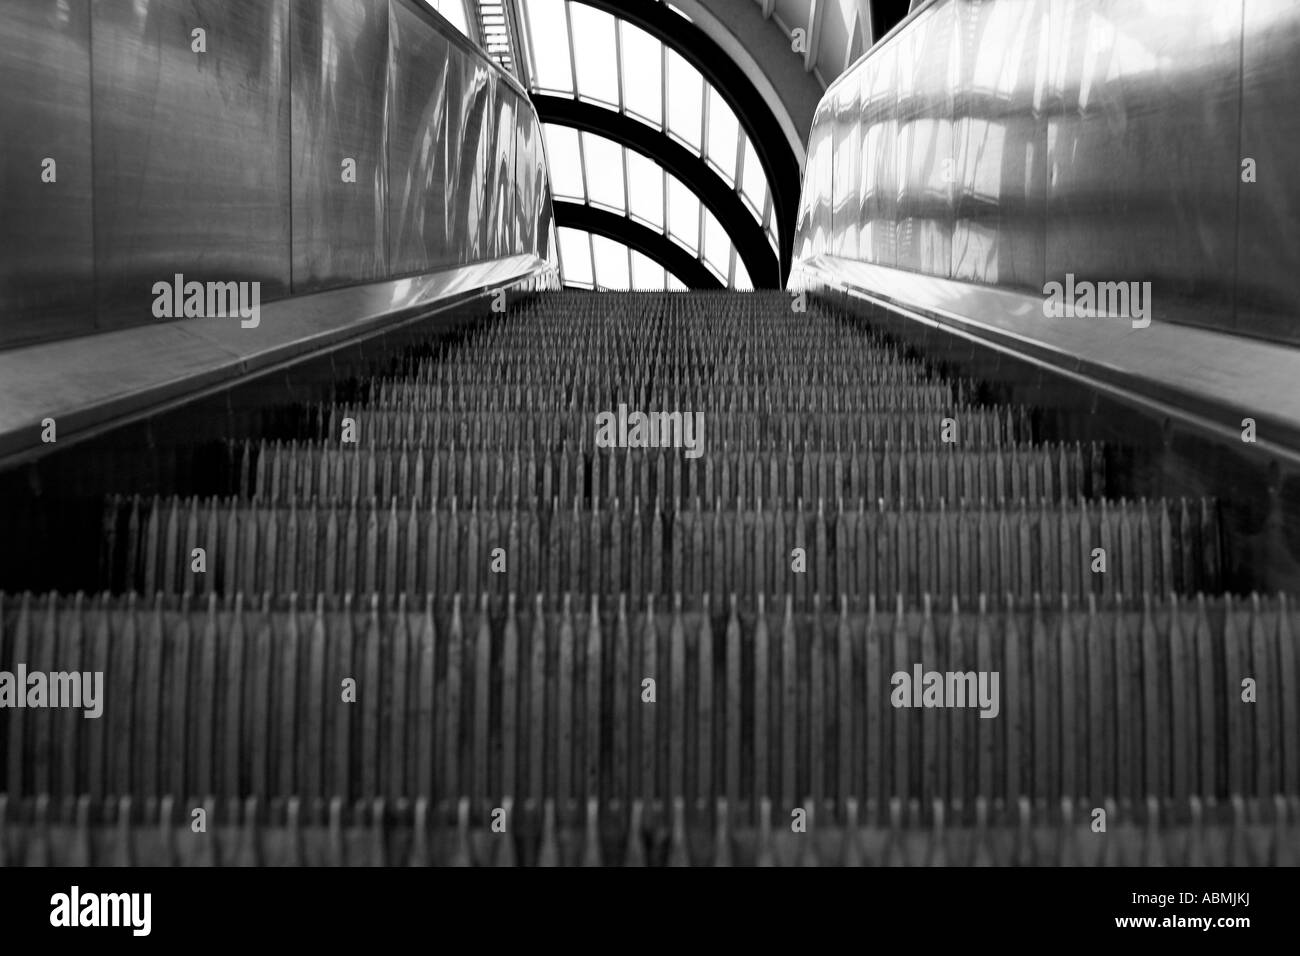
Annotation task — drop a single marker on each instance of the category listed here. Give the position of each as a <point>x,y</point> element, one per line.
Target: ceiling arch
<point>599,262</point>
<point>591,169</point>
<point>741,220</point>
<point>572,52</point>
<point>586,218</point>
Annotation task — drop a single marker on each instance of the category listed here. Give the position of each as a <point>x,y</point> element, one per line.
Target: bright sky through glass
<point>583,52</point>
<point>597,262</point>
<point>599,163</point>
<point>454,11</point>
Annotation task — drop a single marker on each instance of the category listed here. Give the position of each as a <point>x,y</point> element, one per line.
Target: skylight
<point>596,171</point>
<point>589,261</point>
<point>585,53</point>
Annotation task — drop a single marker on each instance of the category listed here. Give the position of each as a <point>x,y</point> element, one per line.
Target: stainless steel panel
<point>191,149</point>
<point>468,136</point>
<point>1000,143</point>
<point>924,143</point>
<point>1268,245</point>
<point>820,177</point>
<point>487,170</point>
<point>419,145</point>
<point>505,236</point>
<point>46,251</point>
<point>846,174</point>
<point>526,193</point>
<point>339,87</point>
<point>879,240</point>
<point>1143,150</point>
<point>478,189</point>
<point>454,119</point>
<point>1098,138</point>
<point>201,163</point>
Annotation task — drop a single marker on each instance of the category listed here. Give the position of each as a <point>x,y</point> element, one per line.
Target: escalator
<point>643,578</point>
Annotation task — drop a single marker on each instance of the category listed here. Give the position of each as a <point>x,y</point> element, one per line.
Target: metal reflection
<point>308,144</point>
<point>46,254</point>
<point>418,138</point>
<point>1014,141</point>
<point>191,161</point>
<point>339,90</point>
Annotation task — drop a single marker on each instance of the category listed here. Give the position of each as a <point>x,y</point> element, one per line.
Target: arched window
<point>595,171</point>
<point>578,51</point>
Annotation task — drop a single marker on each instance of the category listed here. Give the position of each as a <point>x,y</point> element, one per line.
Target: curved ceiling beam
<point>691,271</point>
<point>762,50</point>
<point>724,202</point>
<point>756,115</point>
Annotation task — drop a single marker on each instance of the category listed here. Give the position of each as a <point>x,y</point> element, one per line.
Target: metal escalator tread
<point>448,533</point>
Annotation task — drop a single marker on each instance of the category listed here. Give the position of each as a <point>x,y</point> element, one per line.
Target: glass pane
<point>717,245</point>
<point>753,183</point>
<point>566,166</point>
<point>683,214</point>
<point>611,263</point>
<point>743,281</point>
<point>685,100</point>
<point>724,130</point>
<point>642,74</point>
<point>645,189</point>
<point>604,171</point>
<point>595,55</point>
<point>675,284</point>
<point>454,11</point>
<point>646,273</point>
<point>575,256</point>
<point>550,38</point>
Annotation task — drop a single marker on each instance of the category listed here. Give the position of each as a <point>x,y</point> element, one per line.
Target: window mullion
<point>573,61</point>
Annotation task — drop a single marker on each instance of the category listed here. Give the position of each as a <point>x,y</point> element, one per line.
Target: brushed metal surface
<point>1000,144</point>
<point>469,97</point>
<point>1143,150</point>
<point>504,233</point>
<point>226,164</point>
<point>816,201</point>
<point>191,149</point>
<point>130,371</point>
<point>846,206</point>
<point>339,87</point>
<point>924,144</point>
<point>46,254</point>
<point>1268,247</point>
<point>1014,142</point>
<point>486,169</point>
<point>420,144</point>
<point>879,238</point>
<point>526,181</point>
